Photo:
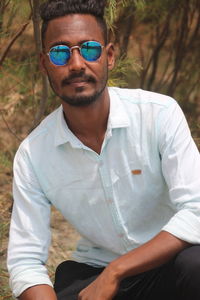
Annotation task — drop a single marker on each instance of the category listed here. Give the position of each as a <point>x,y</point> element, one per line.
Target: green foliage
<point>5,162</point>
<point>3,231</point>
<point>13,14</point>
<point>5,293</point>
<point>118,76</point>
<point>114,9</point>
<point>4,287</point>
<point>110,13</point>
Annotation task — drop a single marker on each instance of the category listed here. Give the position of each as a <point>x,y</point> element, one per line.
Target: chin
<point>81,99</point>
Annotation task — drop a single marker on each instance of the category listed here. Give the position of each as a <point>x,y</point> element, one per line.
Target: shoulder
<point>44,133</point>
<point>142,97</point>
<point>148,111</point>
<point>147,107</point>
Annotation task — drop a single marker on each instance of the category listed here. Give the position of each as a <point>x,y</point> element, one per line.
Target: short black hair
<point>53,9</point>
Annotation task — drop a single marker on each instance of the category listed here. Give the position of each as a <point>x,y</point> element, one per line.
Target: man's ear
<point>110,55</point>
<point>42,64</point>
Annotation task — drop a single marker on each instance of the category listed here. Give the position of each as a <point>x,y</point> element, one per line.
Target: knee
<point>187,273</point>
<point>187,263</point>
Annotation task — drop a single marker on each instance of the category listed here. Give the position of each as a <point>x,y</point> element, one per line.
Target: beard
<point>81,100</point>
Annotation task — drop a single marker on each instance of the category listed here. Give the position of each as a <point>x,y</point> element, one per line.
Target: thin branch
<point>36,26</point>
<point>148,63</point>
<point>31,5</point>
<point>3,6</point>
<point>18,34</point>
<point>161,40</point>
<point>180,51</point>
<point>15,79</point>
<point>141,53</point>
<point>6,5</point>
<point>192,88</point>
<point>195,31</point>
<point>38,46</point>
<point>8,127</point>
<point>43,102</point>
<point>163,76</point>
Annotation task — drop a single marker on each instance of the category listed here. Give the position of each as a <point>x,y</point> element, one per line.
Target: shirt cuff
<point>184,225</point>
<point>22,284</point>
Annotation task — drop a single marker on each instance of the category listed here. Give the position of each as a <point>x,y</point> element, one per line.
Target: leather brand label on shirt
<point>136,172</point>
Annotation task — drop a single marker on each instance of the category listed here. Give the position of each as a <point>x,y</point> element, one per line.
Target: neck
<point>89,123</point>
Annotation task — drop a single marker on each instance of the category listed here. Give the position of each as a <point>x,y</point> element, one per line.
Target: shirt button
<point>121,235</point>
<point>101,163</point>
<point>109,201</point>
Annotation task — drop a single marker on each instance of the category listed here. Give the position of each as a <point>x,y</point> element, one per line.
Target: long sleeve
<point>181,170</point>
<point>29,230</point>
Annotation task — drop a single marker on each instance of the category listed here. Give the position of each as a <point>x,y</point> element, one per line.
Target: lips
<point>77,80</point>
<point>74,79</point>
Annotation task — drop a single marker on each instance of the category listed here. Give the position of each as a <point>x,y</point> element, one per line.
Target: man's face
<point>79,82</point>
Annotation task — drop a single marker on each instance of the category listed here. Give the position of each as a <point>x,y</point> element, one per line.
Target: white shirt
<point>146,179</point>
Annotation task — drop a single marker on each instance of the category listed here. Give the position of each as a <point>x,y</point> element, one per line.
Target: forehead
<point>73,29</point>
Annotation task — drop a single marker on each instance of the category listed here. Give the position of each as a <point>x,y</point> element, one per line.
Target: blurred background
<point>157,45</point>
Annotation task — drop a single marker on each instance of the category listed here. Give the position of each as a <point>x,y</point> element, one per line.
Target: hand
<point>105,287</point>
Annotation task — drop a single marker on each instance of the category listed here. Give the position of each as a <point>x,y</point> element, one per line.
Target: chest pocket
<point>130,173</point>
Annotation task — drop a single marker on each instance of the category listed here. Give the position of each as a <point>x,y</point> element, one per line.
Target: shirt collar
<point>63,134</point>
<point>118,118</point>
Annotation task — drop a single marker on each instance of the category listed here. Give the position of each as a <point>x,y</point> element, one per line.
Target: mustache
<point>81,76</point>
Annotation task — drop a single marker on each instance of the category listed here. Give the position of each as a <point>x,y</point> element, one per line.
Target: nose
<point>76,62</point>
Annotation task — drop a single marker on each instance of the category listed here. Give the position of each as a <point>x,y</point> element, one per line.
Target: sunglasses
<point>59,55</point>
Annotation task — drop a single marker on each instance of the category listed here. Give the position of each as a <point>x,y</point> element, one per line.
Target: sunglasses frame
<point>72,48</point>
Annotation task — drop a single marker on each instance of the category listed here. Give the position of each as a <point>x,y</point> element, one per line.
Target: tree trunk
<point>38,45</point>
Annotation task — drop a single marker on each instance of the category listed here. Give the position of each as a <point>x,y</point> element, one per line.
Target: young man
<point>119,164</point>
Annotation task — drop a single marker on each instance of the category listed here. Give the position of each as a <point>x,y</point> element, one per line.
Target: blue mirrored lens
<point>59,55</point>
<point>91,50</point>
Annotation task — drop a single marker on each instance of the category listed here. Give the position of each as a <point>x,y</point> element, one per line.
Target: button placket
<point>108,190</point>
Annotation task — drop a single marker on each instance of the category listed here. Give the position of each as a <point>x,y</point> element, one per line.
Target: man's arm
<point>30,234</point>
<point>152,254</point>
<point>39,292</point>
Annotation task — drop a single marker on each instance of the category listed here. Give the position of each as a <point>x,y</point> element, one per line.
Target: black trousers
<point>179,279</point>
